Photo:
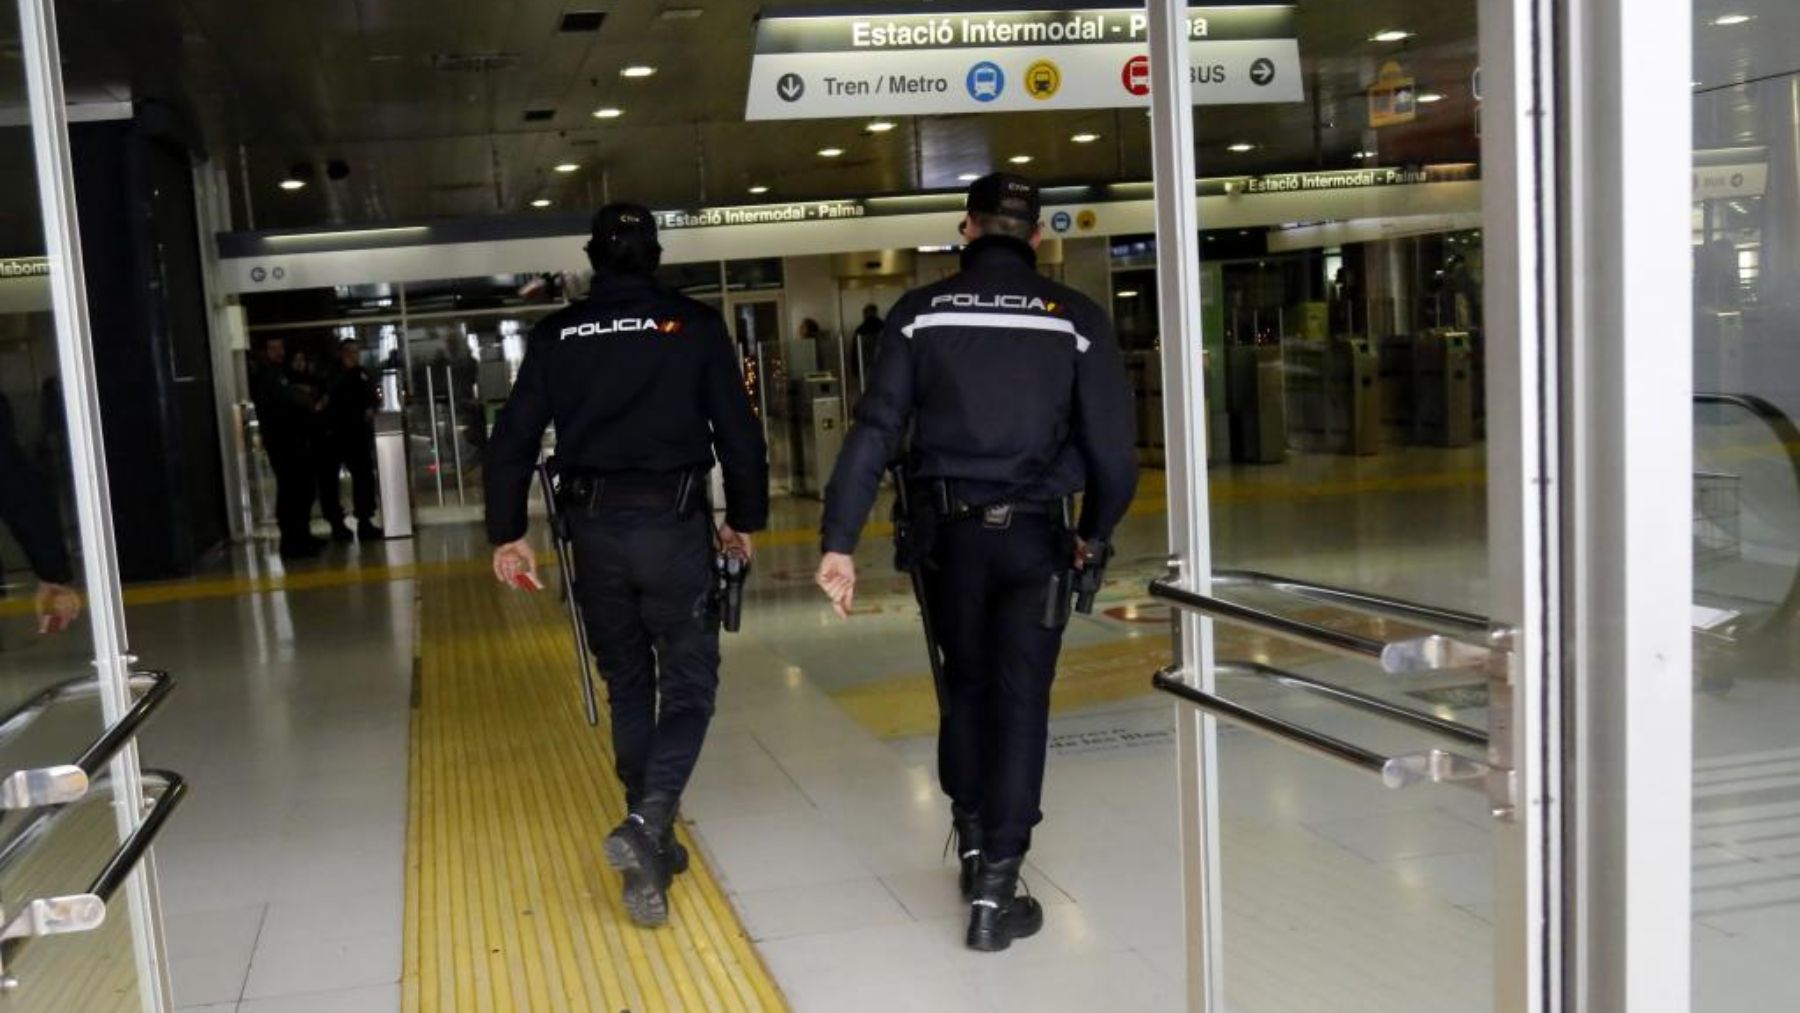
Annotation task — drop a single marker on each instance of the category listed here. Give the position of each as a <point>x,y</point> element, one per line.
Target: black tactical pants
<point>295,483</point>
<point>351,450</point>
<point>643,581</point>
<point>987,589</point>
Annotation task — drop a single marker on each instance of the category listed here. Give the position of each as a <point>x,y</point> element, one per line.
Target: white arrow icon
<point>790,87</point>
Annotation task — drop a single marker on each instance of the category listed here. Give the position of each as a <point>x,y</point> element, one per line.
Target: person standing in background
<point>283,413</point>
<point>349,445</point>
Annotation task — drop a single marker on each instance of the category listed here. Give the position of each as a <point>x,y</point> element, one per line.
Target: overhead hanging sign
<point>966,58</point>
<point>1394,97</point>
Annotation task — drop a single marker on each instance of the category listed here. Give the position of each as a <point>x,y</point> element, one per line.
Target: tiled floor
<point>282,879</point>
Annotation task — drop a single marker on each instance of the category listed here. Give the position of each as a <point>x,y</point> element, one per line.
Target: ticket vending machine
<point>1443,388</point>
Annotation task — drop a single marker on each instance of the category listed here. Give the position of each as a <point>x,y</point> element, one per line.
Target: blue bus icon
<point>1061,221</point>
<point>986,81</point>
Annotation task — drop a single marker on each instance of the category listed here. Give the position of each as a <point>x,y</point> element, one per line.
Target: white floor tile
<point>771,852</point>
<point>371,999</point>
<point>208,978</point>
<point>823,908</point>
<point>1388,837</point>
<point>287,968</point>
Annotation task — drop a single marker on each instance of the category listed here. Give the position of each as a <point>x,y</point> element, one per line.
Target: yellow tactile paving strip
<point>509,905</point>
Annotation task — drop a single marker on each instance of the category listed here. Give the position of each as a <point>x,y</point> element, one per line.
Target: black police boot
<point>965,836</point>
<point>340,532</point>
<point>999,914</point>
<point>368,532</point>
<point>673,851</point>
<point>634,848</point>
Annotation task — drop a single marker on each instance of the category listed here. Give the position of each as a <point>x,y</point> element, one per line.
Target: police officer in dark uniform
<point>643,387</point>
<point>28,508</point>
<point>1015,396</point>
<point>349,445</point>
<point>284,411</point>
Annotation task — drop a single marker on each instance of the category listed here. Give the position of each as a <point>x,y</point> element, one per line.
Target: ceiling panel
<point>365,81</point>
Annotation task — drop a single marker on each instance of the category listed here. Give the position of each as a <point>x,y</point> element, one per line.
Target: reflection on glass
<point>1746,502</point>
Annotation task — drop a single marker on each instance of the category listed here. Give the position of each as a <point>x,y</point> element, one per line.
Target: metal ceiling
<point>425,101</point>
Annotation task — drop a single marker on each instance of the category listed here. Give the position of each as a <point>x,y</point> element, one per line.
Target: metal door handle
<point>1438,766</point>
<point>1361,701</point>
<point>1431,653</point>
<point>62,783</point>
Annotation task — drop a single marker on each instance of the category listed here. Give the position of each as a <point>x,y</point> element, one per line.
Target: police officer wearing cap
<point>1012,391</point>
<point>644,389</point>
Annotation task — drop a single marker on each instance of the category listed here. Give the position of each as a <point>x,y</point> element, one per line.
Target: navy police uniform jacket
<point>1013,389</point>
<point>638,382</point>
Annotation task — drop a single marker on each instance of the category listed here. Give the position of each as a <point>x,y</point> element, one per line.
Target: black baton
<point>565,558</point>
<point>905,529</point>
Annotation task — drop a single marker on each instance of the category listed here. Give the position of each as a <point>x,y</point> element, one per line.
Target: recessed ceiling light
<point>880,127</point>
<point>830,152</point>
<point>568,167</point>
<point>759,189</point>
<point>1430,97</point>
<point>608,113</point>
<point>293,184</point>
<point>681,13</point>
<point>1085,138</point>
<point>969,177</point>
<point>1391,35</point>
<point>1727,20</point>
<point>541,202</point>
<point>638,70</point>
<point>1020,160</point>
<point>1363,154</point>
<point>1130,293</point>
<point>1241,147</point>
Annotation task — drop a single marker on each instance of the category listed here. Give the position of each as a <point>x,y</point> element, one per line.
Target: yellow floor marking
<point>509,904</point>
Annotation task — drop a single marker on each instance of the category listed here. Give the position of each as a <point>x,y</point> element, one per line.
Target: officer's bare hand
<point>513,560</point>
<point>736,543</point>
<point>58,606</point>
<point>837,578</point>
<point>1082,553</point>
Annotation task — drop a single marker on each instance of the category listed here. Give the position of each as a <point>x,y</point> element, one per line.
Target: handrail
<point>113,876</point>
<point>1361,701</point>
<point>1317,743</point>
<point>84,912</point>
<point>1350,598</point>
<point>1429,653</point>
<point>39,786</point>
<point>1787,435</point>
<point>1438,766</point>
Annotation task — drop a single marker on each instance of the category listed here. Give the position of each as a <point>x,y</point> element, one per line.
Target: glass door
<point>78,922</point>
<point>1380,640</point>
<point>1745,235</point>
<point>756,324</point>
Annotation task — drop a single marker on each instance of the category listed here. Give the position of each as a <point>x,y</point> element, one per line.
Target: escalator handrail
<point>1787,434</point>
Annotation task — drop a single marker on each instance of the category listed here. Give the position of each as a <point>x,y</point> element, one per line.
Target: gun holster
<point>727,604</point>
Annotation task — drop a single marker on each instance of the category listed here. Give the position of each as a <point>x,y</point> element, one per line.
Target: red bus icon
<point>1136,76</point>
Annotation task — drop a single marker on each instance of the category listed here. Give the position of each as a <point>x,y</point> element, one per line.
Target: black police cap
<point>624,221</point>
<point>1004,194</point>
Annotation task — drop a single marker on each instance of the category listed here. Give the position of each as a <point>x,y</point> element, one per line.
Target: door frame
<point>1585,203</point>
<point>41,54</point>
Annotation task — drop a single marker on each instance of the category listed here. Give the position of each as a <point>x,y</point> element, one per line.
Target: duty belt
<point>591,490</point>
<point>949,507</point>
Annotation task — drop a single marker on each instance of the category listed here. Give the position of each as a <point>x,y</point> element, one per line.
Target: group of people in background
<point>317,421</point>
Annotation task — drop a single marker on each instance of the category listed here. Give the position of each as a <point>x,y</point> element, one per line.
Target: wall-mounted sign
<point>25,267</point>
<point>1394,97</point>
<point>762,214</point>
<point>959,58</point>
<point>1715,182</point>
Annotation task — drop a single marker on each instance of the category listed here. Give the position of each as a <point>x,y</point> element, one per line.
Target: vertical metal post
<point>1523,491</point>
<point>41,55</point>
<point>1184,407</point>
<point>455,444</point>
<point>1627,311</point>
<point>437,450</point>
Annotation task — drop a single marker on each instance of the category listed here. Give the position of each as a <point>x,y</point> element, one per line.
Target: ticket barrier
<point>1443,388</point>
<point>1255,398</point>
